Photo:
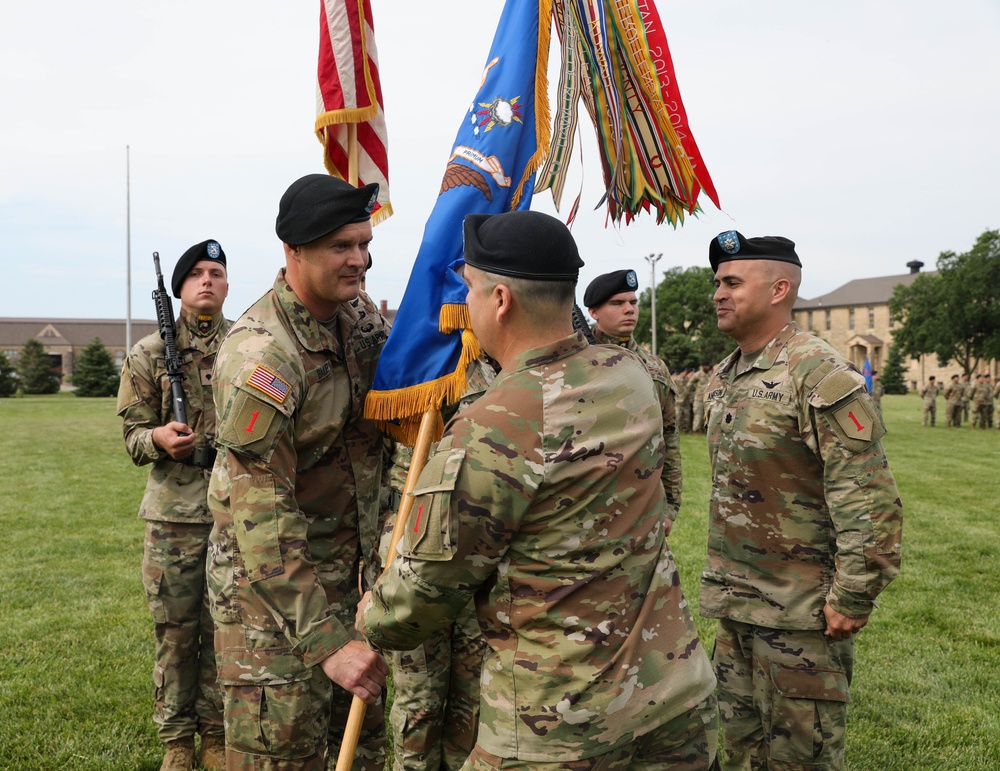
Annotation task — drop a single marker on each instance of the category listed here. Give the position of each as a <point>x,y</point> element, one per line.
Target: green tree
<point>687,331</point>
<point>893,375</point>
<point>95,374</point>
<point>954,314</point>
<point>8,383</point>
<point>35,369</point>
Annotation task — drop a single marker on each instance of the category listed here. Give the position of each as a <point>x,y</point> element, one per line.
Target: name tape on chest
<point>269,383</point>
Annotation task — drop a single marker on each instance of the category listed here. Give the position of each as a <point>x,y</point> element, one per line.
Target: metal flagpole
<point>652,260</point>
<point>128,255</point>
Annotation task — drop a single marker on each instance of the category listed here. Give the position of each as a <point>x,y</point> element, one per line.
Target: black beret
<point>732,245</point>
<point>317,204</point>
<point>521,244</point>
<point>209,250</point>
<point>603,288</point>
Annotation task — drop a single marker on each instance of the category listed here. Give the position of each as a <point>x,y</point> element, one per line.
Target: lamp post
<point>652,259</point>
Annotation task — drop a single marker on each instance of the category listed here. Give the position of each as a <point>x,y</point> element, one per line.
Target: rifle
<point>165,320</point>
<point>580,324</point>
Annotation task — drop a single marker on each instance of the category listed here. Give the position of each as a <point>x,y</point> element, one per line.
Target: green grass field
<point>76,638</point>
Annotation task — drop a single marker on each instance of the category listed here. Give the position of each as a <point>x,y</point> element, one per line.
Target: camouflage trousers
<point>698,416</point>
<point>685,417</point>
<point>689,742</point>
<point>187,697</point>
<point>981,416</point>
<point>281,715</point>
<point>929,415</point>
<point>435,709</point>
<point>954,415</point>
<point>783,697</point>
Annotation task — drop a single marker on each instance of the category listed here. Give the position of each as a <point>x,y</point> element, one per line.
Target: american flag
<point>349,92</point>
<point>264,380</point>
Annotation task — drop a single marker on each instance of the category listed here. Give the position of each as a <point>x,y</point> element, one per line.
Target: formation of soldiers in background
<point>965,400</point>
<point>691,385</point>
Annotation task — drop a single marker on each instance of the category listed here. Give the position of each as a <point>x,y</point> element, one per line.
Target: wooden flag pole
<point>352,153</point>
<point>429,425</point>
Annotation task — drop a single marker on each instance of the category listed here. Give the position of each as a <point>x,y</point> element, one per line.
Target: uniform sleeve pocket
<point>428,533</point>
<point>808,714</point>
<point>256,526</point>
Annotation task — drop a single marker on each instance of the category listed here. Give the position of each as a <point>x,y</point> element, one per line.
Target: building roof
<point>14,333</point>
<point>860,291</point>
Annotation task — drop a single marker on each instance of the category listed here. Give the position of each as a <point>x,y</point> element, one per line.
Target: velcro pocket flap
<point>428,533</point>
<point>263,666</point>
<point>812,684</point>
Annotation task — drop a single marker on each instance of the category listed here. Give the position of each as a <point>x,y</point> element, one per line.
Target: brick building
<point>65,339</point>
<point>854,319</point>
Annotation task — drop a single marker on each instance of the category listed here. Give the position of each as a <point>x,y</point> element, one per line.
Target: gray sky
<point>867,132</point>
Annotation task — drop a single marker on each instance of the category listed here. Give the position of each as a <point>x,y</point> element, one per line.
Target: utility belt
<point>202,457</point>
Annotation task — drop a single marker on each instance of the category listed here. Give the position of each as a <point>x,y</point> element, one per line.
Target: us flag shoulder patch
<point>269,383</point>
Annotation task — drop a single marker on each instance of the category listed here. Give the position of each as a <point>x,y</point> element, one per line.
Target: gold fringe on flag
<point>398,412</point>
<point>543,129</point>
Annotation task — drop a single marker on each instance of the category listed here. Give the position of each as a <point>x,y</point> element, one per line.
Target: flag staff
<point>128,254</point>
<point>429,425</point>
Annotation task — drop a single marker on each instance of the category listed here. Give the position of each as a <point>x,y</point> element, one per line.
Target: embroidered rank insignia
<point>204,324</point>
<point>269,383</point>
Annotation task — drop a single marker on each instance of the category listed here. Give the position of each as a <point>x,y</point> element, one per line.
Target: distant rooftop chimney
<point>914,266</point>
<point>383,306</point>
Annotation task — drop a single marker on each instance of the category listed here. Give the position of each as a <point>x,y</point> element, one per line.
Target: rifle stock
<point>165,321</point>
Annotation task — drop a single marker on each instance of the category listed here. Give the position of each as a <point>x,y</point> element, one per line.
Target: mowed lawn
<point>76,638</point>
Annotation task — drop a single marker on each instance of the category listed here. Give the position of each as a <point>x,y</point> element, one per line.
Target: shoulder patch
<point>428,534</point>
<point>269,383</point>
<point>855,422</point>
<point>837,385</point>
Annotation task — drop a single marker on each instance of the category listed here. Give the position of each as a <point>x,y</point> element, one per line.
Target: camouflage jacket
<point>953,393</point>
<point>878,391</point>
<point>543,502</point>
<point>666,393</point>
<point>929,392</point>
<point>699,384</point>
<point>981,393</point>
<point>175,491</point>
<point>296,487</point>
<point>804,508</point>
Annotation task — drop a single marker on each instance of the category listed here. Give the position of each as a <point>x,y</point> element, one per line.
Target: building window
<point>828,320</point>
<point>871,318</point>
<point>809,322</point>
<point>850,318</point>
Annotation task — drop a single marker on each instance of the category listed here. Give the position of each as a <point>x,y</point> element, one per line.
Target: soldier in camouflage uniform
<point>699,382</point>
<point>175,506</point>
<point>981,392</point>
<point>878,391</point>
<point>953,403</point>
<point>804,521</point>
<point>435,709</point>
<point>543,501</point>
<point>966,395</point>
<point>295,493</point>
<point>612,302</point>
<point>990,395</point>
<point>685,401</point>
<point>929,394</point>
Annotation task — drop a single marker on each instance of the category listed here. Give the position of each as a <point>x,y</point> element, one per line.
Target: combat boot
<point>180,755</point>
<point>213,752</point>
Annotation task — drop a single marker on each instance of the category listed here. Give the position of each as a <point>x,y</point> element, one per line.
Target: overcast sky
<point>867,132</point>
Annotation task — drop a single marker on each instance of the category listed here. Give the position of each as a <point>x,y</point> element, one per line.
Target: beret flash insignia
<point>729,241</point>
